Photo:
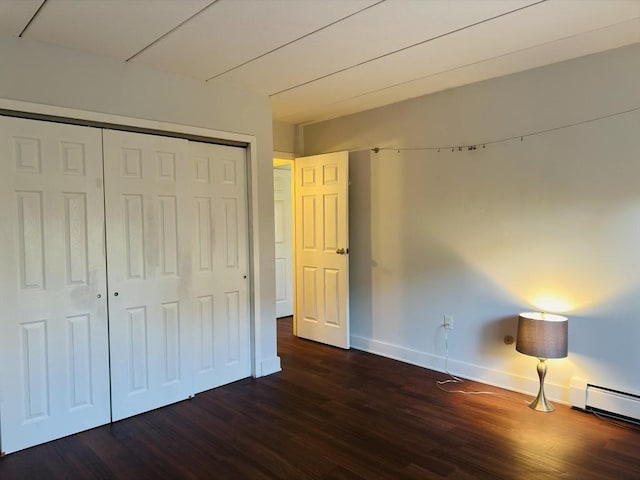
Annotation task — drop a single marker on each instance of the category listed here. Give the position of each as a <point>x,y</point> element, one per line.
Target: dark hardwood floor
<point>341,414</point>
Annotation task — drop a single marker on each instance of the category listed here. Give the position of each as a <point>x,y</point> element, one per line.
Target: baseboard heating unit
<point>604,400</point>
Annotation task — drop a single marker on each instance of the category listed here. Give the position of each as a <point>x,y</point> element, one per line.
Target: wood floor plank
<point>336,414</point>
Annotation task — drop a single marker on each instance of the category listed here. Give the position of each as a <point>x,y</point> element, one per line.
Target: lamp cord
<point>455,380</point>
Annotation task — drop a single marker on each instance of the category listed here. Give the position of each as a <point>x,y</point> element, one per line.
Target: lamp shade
<point>542,335</point>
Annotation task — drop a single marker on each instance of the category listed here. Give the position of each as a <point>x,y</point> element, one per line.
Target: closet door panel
<point>149,262</point>
<point>54,378</point>
<point>220,264</point>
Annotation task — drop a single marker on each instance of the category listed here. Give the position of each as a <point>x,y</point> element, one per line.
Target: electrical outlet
<point>448,322</point>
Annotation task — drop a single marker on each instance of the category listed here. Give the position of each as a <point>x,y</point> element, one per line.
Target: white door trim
<point>249,141</point>
<point>74,114</point>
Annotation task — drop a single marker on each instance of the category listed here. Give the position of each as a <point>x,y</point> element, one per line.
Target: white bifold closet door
<point>92,332</point>
<point>220,256</point>
<point>150,313</point>
<point>54,366</point>
<point>176,216</point>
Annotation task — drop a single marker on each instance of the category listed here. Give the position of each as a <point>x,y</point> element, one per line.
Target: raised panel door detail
<point>308,176</point>
<point>27,155</point>
<point>330,174</point>
<point>35,370</point>
<point>168,210</point>
<point>204,234</point>
<point>171,341</point>
<point>202,169</point>
<point>132,163</point>
<point>206,333</point>
<point>138,353</point>
<point>134,236</point>
<point>232,300</point>
<point>231,232</point>
<point>76,235</point>
<point>331,297</point>
<point>330,220</point>
<point>31,240</point>
<point>166,166</point>
<point>279,183</point>
<point>73,158</point>
<point>229,176</point>
<point>310,306</point>
<point>79,351</point>
<point>309,222</point>
<point>279,221</point>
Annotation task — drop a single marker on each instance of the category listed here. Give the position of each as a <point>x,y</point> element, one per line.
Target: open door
<point>322,248</point>
<point>283,220</point>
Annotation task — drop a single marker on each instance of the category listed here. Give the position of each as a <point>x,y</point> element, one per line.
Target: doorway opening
<point>313,270</point>
<point>283,228</point>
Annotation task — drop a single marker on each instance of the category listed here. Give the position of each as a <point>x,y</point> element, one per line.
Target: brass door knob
<point>342,251</point>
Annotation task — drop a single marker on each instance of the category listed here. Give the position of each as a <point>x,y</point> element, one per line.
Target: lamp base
<point>540,403</point>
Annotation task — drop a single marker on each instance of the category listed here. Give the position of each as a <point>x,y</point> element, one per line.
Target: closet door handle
<point>98,296</point>
<point>115,294</point>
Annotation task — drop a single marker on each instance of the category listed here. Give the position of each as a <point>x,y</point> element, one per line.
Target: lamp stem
<point>540,403</point>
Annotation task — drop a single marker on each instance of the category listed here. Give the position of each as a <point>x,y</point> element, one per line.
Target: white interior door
<point>149,264</point>
<point>54,364</point>
<point>220,263</point>
<point>284,240</point>
<point>322,248</point>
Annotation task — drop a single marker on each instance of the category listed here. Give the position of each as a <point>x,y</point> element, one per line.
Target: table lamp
<point>542,335</point>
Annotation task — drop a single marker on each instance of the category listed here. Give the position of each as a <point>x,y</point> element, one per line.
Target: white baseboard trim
<point>269,366</point>
<point>587,396</point>
<point>478,373</point>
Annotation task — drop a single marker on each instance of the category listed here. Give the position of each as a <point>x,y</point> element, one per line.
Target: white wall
<point>549,223</point>
<point>284,137</point>
<point>34,72</point>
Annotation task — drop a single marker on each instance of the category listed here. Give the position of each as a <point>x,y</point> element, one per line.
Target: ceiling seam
<point>171,31</point>
<point>33,17</point>
<point>350,67</point>
<point>441,72</point>
<point>295,40</point>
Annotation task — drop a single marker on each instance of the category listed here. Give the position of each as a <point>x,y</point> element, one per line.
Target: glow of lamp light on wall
<point>551,303</point>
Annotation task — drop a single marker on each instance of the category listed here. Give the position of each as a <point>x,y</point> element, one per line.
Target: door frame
<point>37,111</point>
